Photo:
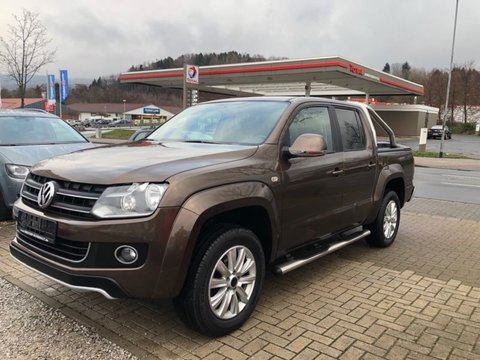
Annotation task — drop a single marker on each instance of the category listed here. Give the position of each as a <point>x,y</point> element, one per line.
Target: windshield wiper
<point>200,141</point>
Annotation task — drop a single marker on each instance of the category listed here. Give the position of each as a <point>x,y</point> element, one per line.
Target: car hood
<point>31,154</point>
<point>144,161</point>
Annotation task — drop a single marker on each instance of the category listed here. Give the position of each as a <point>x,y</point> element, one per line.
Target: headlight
<point>17,171</point>
<point>129,200</point>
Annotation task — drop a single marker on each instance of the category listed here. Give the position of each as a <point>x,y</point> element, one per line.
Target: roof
<point>15,103</point>
<point>406,107</point>
<point>327,75</point>
<point>172,109</point>
<point>114,107</point>
<point>25,112</point>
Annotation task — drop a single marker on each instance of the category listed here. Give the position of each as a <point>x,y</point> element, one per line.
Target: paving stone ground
<point>420,298</point>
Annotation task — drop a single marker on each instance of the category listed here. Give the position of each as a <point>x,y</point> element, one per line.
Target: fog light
<point>126,254</point>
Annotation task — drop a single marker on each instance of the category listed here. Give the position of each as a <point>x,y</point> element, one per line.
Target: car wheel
<point>224,282</point>
<point>385,227</point>
<point>5,213</point>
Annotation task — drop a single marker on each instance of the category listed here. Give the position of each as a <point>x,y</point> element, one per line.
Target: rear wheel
<point>385,227</point>
<point>224,282</point>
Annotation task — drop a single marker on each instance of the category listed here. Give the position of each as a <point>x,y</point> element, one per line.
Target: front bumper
<point>94,272</point>
<point>107,287</point>
<point>435,134</point>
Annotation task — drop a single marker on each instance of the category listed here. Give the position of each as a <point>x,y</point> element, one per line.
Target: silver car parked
<point>26,137</point>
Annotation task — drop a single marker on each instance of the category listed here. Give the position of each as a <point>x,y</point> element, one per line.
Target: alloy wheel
<point>390,219</point>
<point>232,282</point>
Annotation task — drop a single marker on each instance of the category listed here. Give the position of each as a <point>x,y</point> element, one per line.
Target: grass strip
<point>435,154</point>
<point>120,134</point>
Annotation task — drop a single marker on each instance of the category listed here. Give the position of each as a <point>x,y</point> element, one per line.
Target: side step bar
<point>296,263</point>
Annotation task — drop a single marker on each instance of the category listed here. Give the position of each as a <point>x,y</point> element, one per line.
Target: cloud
<point>100,38</point>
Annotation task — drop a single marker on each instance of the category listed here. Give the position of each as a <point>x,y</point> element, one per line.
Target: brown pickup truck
<point>200,208</point>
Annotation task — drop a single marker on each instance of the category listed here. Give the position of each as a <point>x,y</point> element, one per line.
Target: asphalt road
<point>468,145</point>
<point>449,185</point>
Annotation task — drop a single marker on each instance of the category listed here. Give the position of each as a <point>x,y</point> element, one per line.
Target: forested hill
<point>201,59</point>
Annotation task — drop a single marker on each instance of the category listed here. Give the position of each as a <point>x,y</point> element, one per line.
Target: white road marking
<point>464,185</point>
<point>462,177</point>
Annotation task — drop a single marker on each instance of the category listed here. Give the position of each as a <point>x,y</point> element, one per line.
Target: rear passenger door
<point>359,162</point>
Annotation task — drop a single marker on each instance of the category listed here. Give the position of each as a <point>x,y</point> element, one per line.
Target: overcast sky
<point>103,37</point>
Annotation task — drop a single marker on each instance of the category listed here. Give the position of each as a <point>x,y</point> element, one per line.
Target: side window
<point>314,120</point>
<point>141,135</point>
<point>351,129</point>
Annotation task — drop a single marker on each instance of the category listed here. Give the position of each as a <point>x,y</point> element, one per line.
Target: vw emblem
<point>46,194</point>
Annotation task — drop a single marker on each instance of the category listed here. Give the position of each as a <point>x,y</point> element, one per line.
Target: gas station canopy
<point>327,76</point>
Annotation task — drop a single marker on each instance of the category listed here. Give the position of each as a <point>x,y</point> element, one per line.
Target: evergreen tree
<point>406,70</point>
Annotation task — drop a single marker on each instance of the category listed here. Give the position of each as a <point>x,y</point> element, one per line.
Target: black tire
<point>379,237</point>
<point>5,213</point>
<point>193,305</point>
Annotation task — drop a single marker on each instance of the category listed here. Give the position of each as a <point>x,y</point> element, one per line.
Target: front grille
<point>72,199</point>
<point>61,249</point>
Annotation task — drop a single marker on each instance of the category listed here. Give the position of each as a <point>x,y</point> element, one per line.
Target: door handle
<point>372,165</point>
<point>337,172</point>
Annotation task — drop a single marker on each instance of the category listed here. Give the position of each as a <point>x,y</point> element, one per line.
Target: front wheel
<point>224,282</point>
<point>385,227</point>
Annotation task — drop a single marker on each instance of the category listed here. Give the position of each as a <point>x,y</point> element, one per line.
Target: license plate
<point>37,227</point>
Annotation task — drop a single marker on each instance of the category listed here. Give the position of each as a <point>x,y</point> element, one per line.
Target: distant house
<point>141,114</point>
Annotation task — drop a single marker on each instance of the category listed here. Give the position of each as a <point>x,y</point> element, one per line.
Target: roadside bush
<point>462,128</point>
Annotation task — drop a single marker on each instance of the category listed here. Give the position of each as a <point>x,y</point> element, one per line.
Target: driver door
<point>312,186</point>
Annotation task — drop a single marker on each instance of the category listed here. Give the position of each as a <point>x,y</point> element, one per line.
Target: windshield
<point>238,122</point>
<point>30,130</point>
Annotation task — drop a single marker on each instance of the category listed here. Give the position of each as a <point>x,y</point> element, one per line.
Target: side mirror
<point>307,145</point>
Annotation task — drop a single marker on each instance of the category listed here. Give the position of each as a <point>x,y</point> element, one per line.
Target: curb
<point>451,164</point>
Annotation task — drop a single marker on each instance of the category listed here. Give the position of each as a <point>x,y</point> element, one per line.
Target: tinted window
<point>351,129</point>
<point>25,130</point>
<point>236,122</point>
<point>314,120</point>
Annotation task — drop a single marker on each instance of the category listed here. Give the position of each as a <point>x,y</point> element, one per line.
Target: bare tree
<point>25,50</point>
<point>435,89</point>
<point>466,79</point>
<point>396,69</point>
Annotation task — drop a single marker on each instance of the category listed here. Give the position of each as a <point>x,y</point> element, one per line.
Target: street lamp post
<point>449,81</point>
<point>124,102</point>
